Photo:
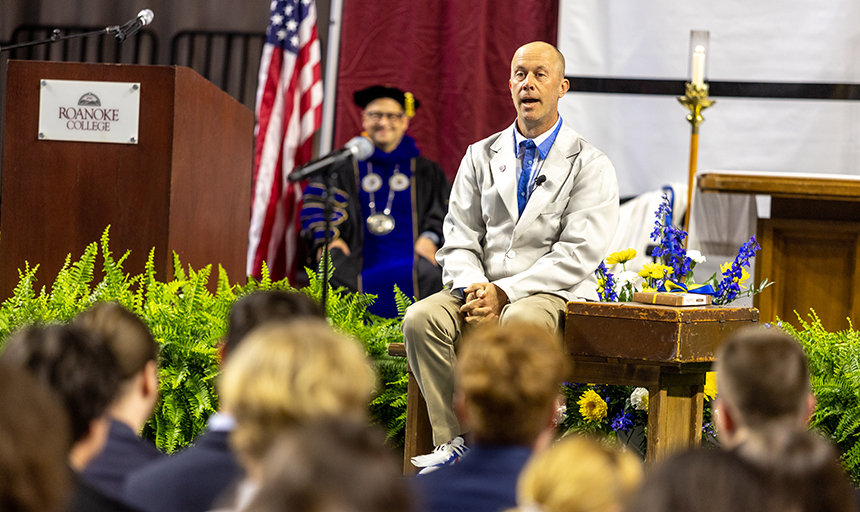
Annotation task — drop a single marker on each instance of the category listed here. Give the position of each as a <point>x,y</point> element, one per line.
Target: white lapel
<point>503,166</point>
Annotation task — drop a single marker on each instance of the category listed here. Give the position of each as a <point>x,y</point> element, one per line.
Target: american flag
<point>289,111</point>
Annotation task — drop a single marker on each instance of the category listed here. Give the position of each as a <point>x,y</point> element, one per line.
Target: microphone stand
<point>56,37</point>
<point>329,181</point>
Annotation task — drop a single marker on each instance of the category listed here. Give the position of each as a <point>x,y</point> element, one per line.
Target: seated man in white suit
<point>531,215</point>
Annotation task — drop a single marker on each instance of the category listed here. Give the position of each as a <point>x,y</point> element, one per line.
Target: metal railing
<point>230,60</point>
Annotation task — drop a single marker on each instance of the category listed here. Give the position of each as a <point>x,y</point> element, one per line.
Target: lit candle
<point>698,78</point>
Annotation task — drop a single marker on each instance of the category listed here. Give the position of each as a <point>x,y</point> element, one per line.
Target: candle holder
<point>696,100</point>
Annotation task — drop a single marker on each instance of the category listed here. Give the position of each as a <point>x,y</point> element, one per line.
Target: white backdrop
<point>647,137</point>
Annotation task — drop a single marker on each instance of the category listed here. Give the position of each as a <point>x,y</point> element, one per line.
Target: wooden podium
<point>810,245</point>
<point>184,187</point>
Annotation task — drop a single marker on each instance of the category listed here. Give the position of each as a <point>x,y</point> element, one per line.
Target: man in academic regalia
<point>388,210</point>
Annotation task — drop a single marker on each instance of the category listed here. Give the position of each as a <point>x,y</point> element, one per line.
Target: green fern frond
<point>402,300</point>
<point>178,271</point>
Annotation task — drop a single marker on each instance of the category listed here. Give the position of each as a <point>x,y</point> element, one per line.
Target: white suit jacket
<point>562,236</point>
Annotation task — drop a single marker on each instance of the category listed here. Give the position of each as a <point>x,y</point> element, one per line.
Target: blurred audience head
<point>135,352</point>
<point>578,474</point>
<point>34,445</point>
<point>286,374</point>
<point>763,383</point>
<point>333,465</point>
<point>703,480</point>
<point>257,308</point>
<point>804,470</point>
<point>508,379</point>
<point>799,473</point>
<point>80,370</point>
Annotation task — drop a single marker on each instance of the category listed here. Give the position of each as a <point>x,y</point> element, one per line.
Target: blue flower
<point>606,284</point>
<point>624,421</point>
<point>670,243</point>
<point>729,288</point>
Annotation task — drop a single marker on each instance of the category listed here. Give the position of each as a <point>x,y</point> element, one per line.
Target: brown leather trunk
<point>670,334</point>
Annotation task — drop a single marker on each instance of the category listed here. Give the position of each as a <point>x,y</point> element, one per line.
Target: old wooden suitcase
<point>659,334</point>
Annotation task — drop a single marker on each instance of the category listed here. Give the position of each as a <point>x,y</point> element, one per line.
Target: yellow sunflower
<point>710,385</point>
<point>591,406</point>
<point>620,257</point>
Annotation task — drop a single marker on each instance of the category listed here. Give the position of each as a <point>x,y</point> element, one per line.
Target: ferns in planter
<point>187,321</point>
<point>834,368</point>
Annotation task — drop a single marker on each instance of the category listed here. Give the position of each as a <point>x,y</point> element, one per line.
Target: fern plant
<point>834,369</point>
<point>188,321</point>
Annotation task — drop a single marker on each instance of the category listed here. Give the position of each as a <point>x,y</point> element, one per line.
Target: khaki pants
<point>433,328</point>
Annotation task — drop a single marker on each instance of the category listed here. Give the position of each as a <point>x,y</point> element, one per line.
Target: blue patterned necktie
<point>528,150</point>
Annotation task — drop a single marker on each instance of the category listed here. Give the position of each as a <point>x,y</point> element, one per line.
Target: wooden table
<point>810,245</point>
<point>665,349</point>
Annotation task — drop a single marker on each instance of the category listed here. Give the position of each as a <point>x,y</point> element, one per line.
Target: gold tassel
<point>410,104</point>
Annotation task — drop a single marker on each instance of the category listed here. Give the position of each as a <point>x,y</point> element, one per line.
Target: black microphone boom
<point>143,19</point>
<point>359,147</point>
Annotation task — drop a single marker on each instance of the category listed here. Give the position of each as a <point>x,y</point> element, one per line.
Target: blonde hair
<point>578,474</point>
<point>286,374</point>
<point>510,377</point>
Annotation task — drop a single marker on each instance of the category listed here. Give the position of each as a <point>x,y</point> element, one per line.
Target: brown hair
<point>286,374</point>
<point>804,469</point>
<point>127,337</point>
<point>510,376</point>
<point>762,377</point>
<point>255,309</point>
<point>34,445</point>
<point>77,366</point>
<point>703,480</point>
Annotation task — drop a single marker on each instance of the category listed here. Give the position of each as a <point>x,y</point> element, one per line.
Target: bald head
<point>555,57</point>
<point>537,83</point>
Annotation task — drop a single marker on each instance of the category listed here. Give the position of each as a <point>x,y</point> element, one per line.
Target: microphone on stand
<point>359,147</point>
<point>143,19</point>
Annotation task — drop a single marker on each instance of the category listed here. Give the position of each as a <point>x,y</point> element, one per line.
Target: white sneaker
<point>443,455</point>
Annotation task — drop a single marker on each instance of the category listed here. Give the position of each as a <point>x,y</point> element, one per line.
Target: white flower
<point>639,399</point>
<point>628,276</point>
<point>560,412</point>
<point>696,256</point>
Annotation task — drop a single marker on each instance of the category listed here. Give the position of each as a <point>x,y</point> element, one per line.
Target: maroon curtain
<point>453,55</point>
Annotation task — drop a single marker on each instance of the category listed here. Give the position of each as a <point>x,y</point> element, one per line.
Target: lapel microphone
<point>539,180</point>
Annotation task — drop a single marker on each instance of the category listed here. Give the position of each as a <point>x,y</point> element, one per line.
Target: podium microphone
<point>143,19</point>
<point>358,147</point>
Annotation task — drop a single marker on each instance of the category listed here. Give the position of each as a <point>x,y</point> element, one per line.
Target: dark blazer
<point>87,499</point>
<point>188,481</point>
<point>123,453</point>
<point>484,480</point>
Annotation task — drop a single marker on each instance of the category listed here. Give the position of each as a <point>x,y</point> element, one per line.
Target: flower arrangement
<point>622,411</point>
<point>673,269</point>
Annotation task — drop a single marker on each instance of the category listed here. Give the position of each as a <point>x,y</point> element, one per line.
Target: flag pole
<point>330,78</point>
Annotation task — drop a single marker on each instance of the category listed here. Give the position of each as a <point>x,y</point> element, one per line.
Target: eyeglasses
<point>377,116</point>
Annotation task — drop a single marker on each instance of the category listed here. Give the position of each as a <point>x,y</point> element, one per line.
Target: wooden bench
<point>665,349</point>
